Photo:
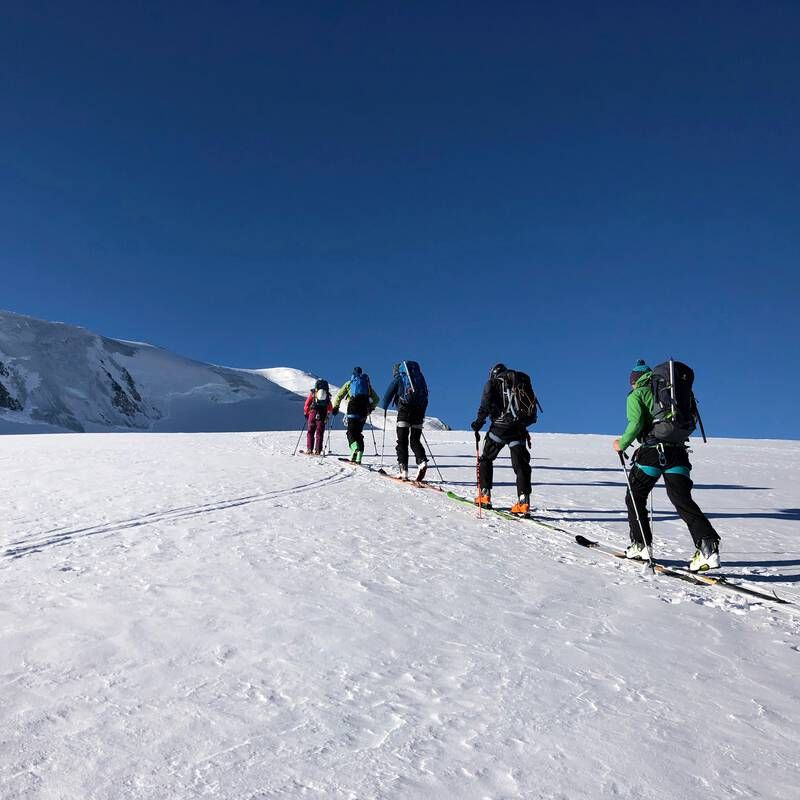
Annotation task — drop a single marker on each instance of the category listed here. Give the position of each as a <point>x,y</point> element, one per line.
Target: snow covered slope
<point>296,380</point>
<point>206,616</point>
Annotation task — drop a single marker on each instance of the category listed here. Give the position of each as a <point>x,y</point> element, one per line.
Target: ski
<point>384,474</point>
<point>696,578</point>
<point>408,482</point>
<point>499,512</point>
<point>505,513</point>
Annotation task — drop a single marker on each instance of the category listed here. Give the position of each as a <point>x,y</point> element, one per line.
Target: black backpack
<point>520,404</point>
<point>414,391</point>
<point>322,395</point>
<point>675,414</point>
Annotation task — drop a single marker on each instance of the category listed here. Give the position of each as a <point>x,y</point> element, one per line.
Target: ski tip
<point>582,540</point>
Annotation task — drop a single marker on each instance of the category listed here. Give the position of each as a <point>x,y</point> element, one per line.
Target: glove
<point>334,411</point>
<point>477,425</point>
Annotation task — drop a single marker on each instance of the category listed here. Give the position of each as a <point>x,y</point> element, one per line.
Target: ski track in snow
<point>191,616</point>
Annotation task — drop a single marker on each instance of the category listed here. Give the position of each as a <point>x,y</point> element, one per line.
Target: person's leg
<point>643,476</point>
<point>360,435</point>
<point>417,419</point>
<point>492,446</point>
<point>415,440</point>
<point>521,462</point>
<point>310,426</point>
<point>352,436</point>
<point>320,435</point>
<point>403,433</point>
<point>679,491</point>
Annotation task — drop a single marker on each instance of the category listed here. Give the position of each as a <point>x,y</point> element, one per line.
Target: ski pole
<point>647,547</point>
<point>372,428</point>
<point>330,430</point>
<point>294,452</point>
<point>383,439</point>
<point>432,458</point>
<point>478,471</point>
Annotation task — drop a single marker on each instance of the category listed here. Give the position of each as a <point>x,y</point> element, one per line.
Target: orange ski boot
<point>523,507</point>
<point>484,499</point>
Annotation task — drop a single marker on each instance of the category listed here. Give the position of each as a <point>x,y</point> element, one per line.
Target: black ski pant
<point>671,461</point>
<point>355,432</point>
<point>517,441</point>
<point>409,431</point>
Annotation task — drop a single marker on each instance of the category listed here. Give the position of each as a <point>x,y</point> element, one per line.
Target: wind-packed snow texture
<point>57,377</point>
<point>206,616</point>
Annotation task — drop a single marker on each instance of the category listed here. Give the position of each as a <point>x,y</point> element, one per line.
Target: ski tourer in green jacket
<point>361,401</point>
<point>649,465</point>
<point>639,410</point>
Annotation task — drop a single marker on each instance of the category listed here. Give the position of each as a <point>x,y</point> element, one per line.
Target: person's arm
<point>635,412</point>
<point>374,398</point>
<point>390,394</point>
<point>340,395</point>
<point>308,403</point>
<point>485,407</point>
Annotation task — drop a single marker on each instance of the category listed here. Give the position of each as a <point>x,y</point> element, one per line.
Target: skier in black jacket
<point>408,391</point>
<point>504,430</point>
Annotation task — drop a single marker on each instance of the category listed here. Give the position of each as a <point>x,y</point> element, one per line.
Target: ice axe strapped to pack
<point>675,412</point>
<point>520,403</point>
<point>415,389</point>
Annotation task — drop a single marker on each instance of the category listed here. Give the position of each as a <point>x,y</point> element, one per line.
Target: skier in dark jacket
<point>504,430</point>
<point>411,402</point>
<point>652,460</point>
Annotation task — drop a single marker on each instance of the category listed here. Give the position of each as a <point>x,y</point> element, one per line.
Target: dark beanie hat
<point>356,370</point>
<point>638,371</point>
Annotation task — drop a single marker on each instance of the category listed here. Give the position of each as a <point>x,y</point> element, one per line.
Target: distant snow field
<point>204,615</point>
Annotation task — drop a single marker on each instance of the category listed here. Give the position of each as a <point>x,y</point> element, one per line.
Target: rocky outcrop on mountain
<point>62,377</point>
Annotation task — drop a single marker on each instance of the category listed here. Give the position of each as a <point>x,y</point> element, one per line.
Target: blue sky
<point>563,187</point>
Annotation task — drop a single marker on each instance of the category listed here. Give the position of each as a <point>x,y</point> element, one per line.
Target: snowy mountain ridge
<point>56,377</point>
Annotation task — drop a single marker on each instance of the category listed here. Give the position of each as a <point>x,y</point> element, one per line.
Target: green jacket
<point>345,392</point>
<point>639,409</point>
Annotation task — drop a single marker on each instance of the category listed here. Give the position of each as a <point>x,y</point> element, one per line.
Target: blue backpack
<point>414,390</point>
<point>359,385</point>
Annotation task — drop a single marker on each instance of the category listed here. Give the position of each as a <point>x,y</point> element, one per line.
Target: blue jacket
<point>392,394</point>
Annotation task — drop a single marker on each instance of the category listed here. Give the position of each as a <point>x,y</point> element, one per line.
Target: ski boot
<point>422,468</point>
<point>522,508</point>
<point>484,498</point>
<point>636,550</point>
<point>706,556</point>
<point>358,456</point>
<point>402,472</point>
